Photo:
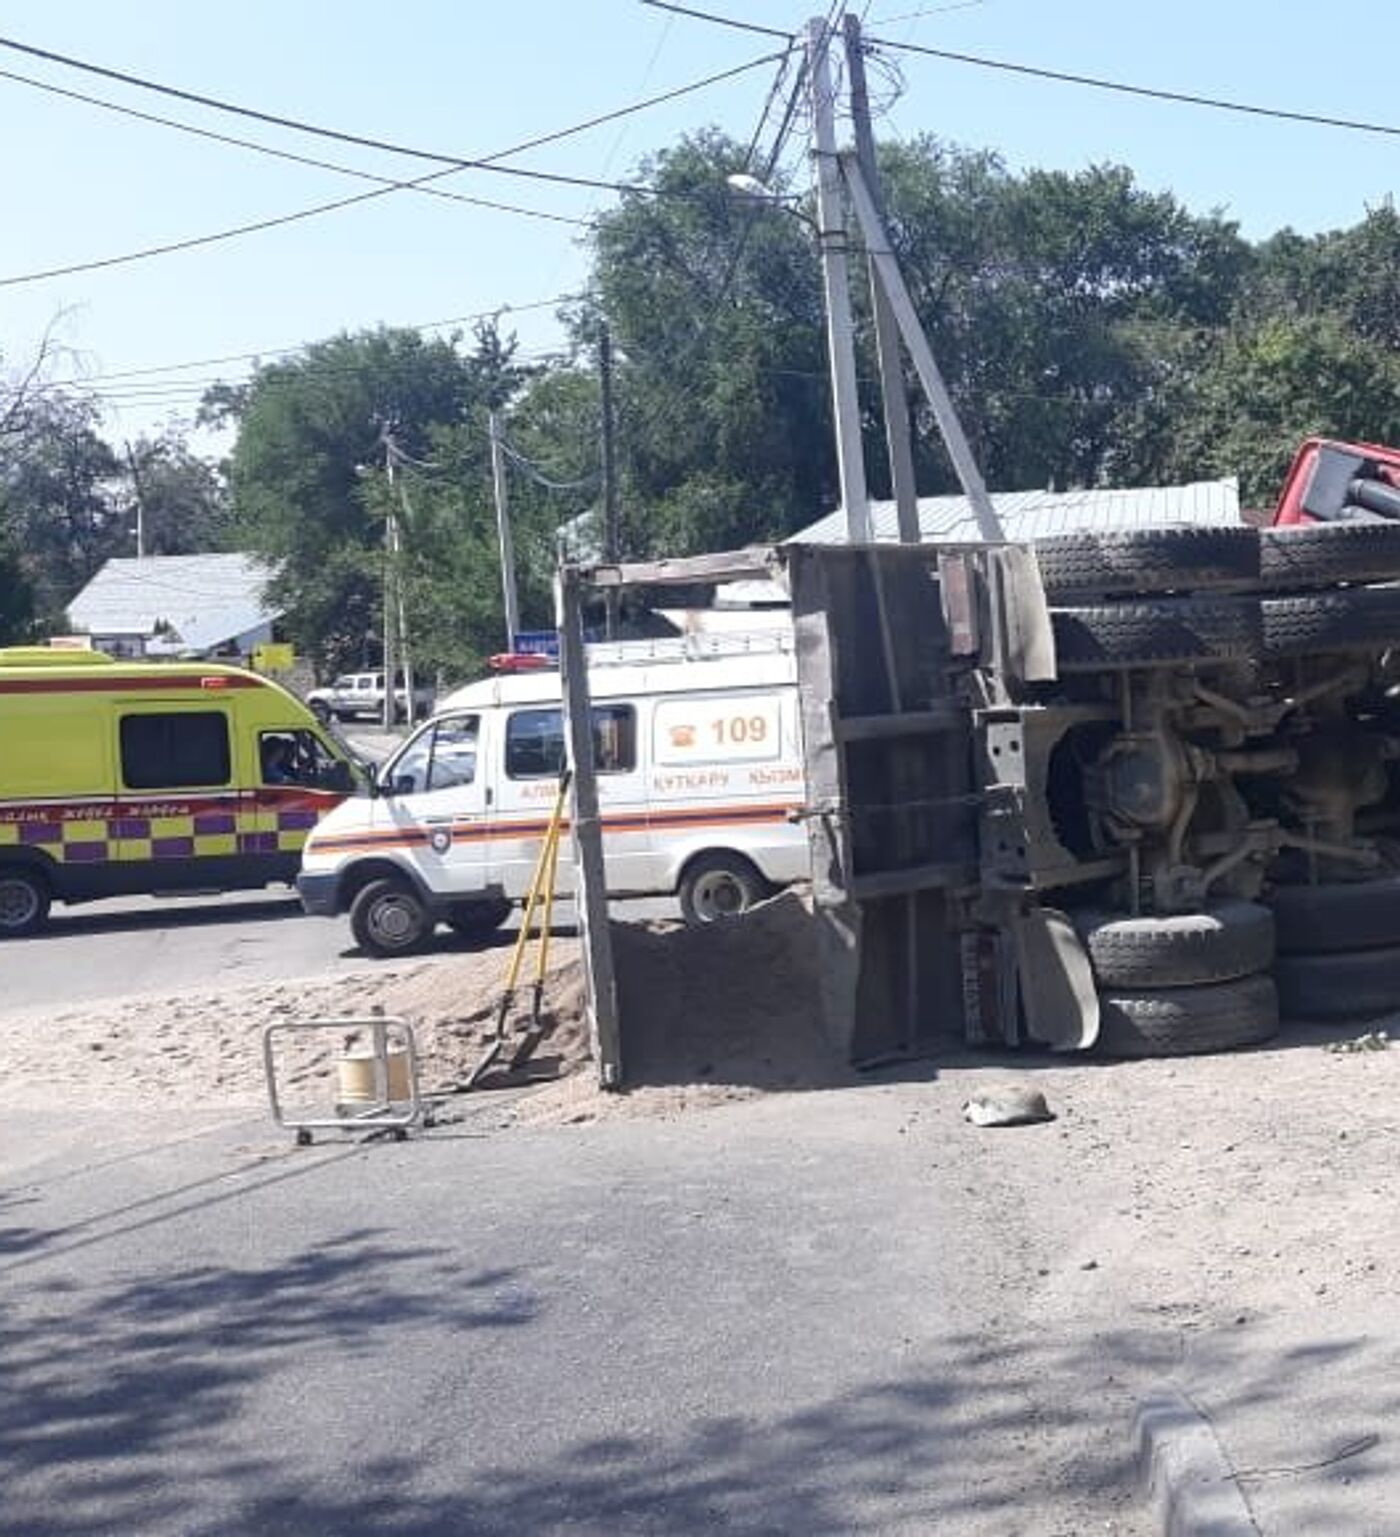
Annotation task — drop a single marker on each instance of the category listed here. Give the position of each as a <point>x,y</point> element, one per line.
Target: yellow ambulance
<point>155,777</point>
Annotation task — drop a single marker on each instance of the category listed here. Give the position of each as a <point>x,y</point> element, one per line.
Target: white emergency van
<point>700,787</point>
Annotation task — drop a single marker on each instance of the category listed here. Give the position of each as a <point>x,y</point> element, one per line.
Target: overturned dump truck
<point>1137,790</point>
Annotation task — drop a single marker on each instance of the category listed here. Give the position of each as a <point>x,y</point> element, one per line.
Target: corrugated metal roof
<point>205,599</point>
<point>1036,514</point>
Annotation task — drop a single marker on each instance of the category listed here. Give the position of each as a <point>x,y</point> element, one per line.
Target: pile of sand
<point>708,1015</point>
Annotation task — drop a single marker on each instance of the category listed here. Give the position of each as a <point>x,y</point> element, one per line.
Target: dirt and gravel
<point>709,1016</point>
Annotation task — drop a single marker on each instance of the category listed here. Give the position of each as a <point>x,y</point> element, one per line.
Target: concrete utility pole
<point>509,595</point>
<point>612,523</point>
<point>892,391</point>
<point>390,557</point>
<point>840,330</point>
<point>400,606</point>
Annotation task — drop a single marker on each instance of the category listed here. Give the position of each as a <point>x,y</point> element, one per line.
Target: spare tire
<point>1300,556</point>
<point>1231,940</point>
<point>1121,563</point>
<point>1342,915</point>
<point>1361,984</point>
<point>1355,619</point>
<point>1188,1020</point>
<point>1156,632</point>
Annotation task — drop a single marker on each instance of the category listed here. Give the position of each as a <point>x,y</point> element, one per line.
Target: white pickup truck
<point>362,693</point>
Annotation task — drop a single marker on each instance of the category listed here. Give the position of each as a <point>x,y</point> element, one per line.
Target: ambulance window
<point>535,742</point>
<point>170,752</point>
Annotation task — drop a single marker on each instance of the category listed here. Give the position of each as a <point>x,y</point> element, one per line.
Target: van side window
<point>440,757</point>
<point>535,741</point>
<point>174,752</point>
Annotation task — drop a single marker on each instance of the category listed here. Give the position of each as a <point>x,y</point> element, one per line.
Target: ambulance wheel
<point>24,901</point>
<point>475,920</point>
<point>719,886</point>
<point>388,918</point>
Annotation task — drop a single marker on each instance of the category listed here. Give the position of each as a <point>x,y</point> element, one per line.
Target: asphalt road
<point>788,1316</point>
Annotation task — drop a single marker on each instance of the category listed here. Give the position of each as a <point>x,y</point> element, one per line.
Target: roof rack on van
<point>668,648</point>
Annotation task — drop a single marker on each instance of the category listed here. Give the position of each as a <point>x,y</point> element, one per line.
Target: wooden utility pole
<point>140,501</point>
<point>509,595</point>
<point>612,530</point>
<point>896,399</point>
<point>836,281</point>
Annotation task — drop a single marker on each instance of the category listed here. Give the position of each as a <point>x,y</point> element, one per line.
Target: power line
<point>246,357</point>
<point>457,162</point>
<point>388,182</point>
<point>1123,88</point>
<point>485,163</point>
<point>723,21</point>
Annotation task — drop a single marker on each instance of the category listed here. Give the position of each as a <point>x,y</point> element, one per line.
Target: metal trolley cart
<point>377,1090</point>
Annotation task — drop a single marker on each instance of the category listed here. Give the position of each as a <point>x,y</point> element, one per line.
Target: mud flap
<point>1058,996</point>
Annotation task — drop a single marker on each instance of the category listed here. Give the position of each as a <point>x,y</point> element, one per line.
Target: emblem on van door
<point>682,736</point>
<point>441,840</point>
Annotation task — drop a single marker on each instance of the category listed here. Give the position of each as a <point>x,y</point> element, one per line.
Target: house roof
<point>1036,514</point>
<point>204,599</point>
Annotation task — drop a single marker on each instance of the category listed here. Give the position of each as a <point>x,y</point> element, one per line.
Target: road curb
<point>1185,1473</point>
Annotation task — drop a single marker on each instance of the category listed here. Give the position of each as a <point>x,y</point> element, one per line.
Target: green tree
<point>182,496</point>
<point>311,442</point>
<point>59,501</point>
<point>16,595</point>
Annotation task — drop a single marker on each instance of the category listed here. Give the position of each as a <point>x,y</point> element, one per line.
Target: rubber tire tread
<point>1156,632</point>
<point>742,869</point>
<point>1222,944</point>
<point>1356,618</point>
<point>359,922</point>
<point>1125,562</point>
<point>1357,984</point>
<point>1301,556</point>
<point>1188,1021</point>
<point>1338,916</point>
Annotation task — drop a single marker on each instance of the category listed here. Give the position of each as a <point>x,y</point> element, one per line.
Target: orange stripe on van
<point>488,832</point>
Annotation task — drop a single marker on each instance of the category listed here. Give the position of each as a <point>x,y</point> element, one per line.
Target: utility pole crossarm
<point>877,243</point>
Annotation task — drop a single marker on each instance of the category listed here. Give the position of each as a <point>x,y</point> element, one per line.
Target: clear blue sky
<point>469,78</point>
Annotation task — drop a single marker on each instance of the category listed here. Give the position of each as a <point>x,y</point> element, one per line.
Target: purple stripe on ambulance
<point>41,832</point>
<point>295,821</point>
<point>214,822</point>
<point>172,848</point>
<point>257,843</point>
<point>130,827</point>
<point>92,852</point>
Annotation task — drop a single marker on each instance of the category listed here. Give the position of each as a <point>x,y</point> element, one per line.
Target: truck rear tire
<point>1232,940</point>
<point>1337,916</point>
<point>719,886</point>
<point>1302,556</point>
<point>1188,1020</point>
<point>388,918</point>
<point>24,901</point>
<point>1355,619</point>
<point>1123,562</point>
<point>1156,632</point>
<point>1360,984</point>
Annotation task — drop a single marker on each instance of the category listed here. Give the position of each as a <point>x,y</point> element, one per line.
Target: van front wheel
<point>719,886</point>
<point>24,901</point>
<point>388,918</point>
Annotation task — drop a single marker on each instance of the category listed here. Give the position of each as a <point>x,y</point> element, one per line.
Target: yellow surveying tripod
<point>538,901</point>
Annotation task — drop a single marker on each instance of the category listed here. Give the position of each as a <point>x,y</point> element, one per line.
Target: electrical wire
<point>388,182</point>
<point>485,163</point>
<point>245,357</point>
<point>723,21</point>
<point>1123,88</point>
